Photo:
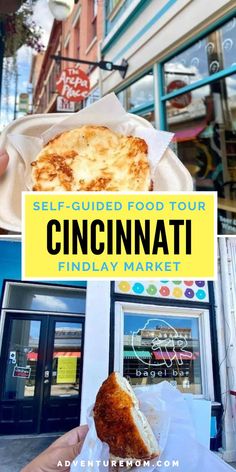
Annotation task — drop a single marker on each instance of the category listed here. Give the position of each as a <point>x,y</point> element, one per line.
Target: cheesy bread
<point>92,158</point>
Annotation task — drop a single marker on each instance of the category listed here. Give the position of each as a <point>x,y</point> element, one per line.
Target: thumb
<point>4,159</point>
<point>67,454</point>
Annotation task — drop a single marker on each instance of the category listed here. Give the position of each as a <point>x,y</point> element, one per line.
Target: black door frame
<point>48,359</point>
<point>45,350</point>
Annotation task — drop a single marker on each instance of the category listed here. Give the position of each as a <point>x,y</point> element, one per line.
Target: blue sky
<point>133,323</point>
<point>43,18</point>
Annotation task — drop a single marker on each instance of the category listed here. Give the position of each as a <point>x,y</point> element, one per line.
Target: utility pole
<point>16,95</point>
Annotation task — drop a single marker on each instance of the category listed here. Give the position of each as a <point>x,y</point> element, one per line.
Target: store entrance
<point>40,373</point>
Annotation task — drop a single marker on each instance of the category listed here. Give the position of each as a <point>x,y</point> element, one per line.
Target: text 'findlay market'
<point>167,266</point>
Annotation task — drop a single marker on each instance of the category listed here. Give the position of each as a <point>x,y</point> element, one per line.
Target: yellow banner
<point>66,370</point>
<point>112,235</point>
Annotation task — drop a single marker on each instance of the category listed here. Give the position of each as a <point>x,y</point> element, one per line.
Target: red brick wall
<point>85,34</point>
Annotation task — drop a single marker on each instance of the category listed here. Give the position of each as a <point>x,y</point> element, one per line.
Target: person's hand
<point>4,159</point>
<point>66,448</point>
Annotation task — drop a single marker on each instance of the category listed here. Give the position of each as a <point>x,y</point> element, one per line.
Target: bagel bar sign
<point>73,84</point>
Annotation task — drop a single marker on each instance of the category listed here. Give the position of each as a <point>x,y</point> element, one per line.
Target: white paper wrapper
<point>106,112</point>
<point>25,138</point>
<point>170,418</point>
<point>156,412</point>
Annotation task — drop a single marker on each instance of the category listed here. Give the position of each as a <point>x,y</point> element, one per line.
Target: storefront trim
<point>140,33</point>
<point>198,36</point>
<point>98,302</point>
<point>204,324</point>
<point>218,75</point>
<point>200,83</point>
<point>142,108</point>
<point>125,20</point>
<point>155,301</point>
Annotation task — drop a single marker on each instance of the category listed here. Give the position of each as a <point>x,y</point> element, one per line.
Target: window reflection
<point>139,93</point>
<point>22,359</point>
<point>158,348</point>
<point>66,362</point>
<point>205,135</point>
<point>211,54</point>
<point>48,299</point>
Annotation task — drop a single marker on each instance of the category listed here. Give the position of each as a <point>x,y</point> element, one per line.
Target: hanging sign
<point>73,84</point>
<point>24,103</point>
<point>181,101</point>
<point>63,104</point>
<point>22,372</point>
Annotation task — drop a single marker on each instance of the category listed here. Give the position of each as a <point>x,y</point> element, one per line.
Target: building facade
<point>78,37</point>
<point>59,341</point>
<point>181,77</point>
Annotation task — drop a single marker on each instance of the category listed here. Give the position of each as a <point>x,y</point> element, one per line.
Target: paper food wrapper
<point>106,112</point>
<point>169,415</point>
<point>93,449</point>
<point>24,147</point>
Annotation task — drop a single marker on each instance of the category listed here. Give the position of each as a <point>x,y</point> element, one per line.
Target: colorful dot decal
<point>177,292</point>
<point>189,293</point>
<point>138,288</point>
<point>124,286</point>
<point>200,283</point>
<point>174,289</point>
<point>164,291</point>
<point>151,290</point>
<point>201,294</point>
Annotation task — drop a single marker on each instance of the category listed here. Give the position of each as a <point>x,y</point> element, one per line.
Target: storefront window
<point>158,348</point>
<point>21,372</point>
<point>203,118</point>
<point>111,4</point>
<point>43,298</point>
<point>211,54</point>
<point>204,123</point>
<point>139,94</point>
<point>66,359</point>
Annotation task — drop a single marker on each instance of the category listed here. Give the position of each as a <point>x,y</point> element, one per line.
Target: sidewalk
<point>16,452</point>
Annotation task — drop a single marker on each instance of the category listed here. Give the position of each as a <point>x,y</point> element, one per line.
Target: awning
<point>33,356</point>
<point>67,354</point>
<point>188,134</point>
<point>177,355</point>
<point>131,355</point>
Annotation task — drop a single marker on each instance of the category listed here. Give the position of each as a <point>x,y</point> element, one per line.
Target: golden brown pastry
<point>92,158</point>
<point>120,423</point>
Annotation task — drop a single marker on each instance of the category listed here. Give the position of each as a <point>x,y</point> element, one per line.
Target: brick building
<point>79,36</point>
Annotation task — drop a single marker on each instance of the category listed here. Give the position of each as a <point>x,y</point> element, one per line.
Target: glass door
<point>40,373</point>
<point>21,371</point>
<point>63,374</point>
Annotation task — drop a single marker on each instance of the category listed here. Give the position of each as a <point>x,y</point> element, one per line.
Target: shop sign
<point>66,370</point>
<point>65,105</point>
<point>166,344</point>
<point>21,372</point>
<point>73,84</point>
<point>183,100</point>
<point>24,103</point>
